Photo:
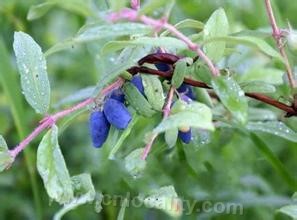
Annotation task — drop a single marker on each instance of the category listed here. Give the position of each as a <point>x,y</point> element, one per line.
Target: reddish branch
<point>156,58</point>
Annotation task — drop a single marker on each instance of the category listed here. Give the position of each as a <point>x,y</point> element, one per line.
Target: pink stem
<point>49,121</point>
<point>166,113</point>
<point>135,4</point>
<point>277,35</point>
<point>158,25</point>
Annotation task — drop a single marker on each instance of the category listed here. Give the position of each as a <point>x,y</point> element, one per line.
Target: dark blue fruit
<point>137,82</point>
<point>118,95</point>
<point>116,113</point>
<point>162,67</point>
<point>187,90</point>
<point>99,128</point>
<point>185,136</point>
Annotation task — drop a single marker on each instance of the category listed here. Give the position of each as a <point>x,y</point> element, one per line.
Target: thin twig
<point>166,113</point>
<point>132,15</point>
<point>277,35</point>
<point>260,97</point>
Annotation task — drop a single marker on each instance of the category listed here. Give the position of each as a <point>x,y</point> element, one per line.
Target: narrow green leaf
<point>5,158</point>
<point>84,193</point>
<point>165,199</point>
<point>257,86</point>
<point>121,215</point>
<point>134,164</point>
<point>169,43</point>
<point>203,96</point>
<point>171,137</point>
<point>153,5</point>
<point>267,75</point>
<point>289,210</point>
<point>259,114</point>
<point>123,137</point>
<point>179,73</point>
<point>216,26</point>
<point>274,161</point>
<point>231,96</point>
<point>137,100</point>
<point>52,168</point>
<point>153,91</point>
<point>37,11</point>
<point>193,115</point>
<point>128,57</point>
<point>273,127</point>
<point>187,23</point>
<point>32,68</point>
<point>254,42</point>
<point>97,32</point>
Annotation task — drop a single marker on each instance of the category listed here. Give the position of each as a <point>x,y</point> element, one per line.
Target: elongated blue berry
<point>137,82</point>
<point>118,95</point>
<point>162,67</point>
<point>185,136</point>
<point>116,113</point>
<point>99,128</point>
<point>187,90</point>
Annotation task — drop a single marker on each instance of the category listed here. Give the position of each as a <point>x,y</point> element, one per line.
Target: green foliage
<point>242,150</point>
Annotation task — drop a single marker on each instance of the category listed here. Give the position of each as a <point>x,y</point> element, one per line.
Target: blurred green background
<point>226,167</point>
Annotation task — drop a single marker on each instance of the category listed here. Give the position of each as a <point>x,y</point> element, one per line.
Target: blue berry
<point>99,128</point>
<point>185,136</point>
<point>116,113</point>
<point>187,90</point>
<point>137,82</point>
<point>118,95</point>
<point>162,67</point>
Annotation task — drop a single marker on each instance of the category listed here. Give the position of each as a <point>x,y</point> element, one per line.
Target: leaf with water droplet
<point>134,164</point>
<point>52,168</point>
<point>273,127</point>
<point>232,97</point>
<point>165,199</point>
<point>194,114</point>
<point>84,193</point>
<point>216,26</point>
<point>5,158</point>
<point>31,62</point>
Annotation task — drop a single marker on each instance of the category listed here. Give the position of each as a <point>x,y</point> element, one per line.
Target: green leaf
<point>250,41</point>
<point>97,32</point>
<point>203,96</point>
<point>259,114</point>
<point>193,115</point>
<point>187,23</point>
<point>52,168</point>
<point>216,26</point>
<point>37,11</point>
<point>123,137</point>
<point>32,68</point>
<point>153,5</point>
<point>231,96</point>
<point>273,127</point>
<point>267,75</point>
<point>124,205</point>
<point>274,161</point>
<point>171,137</point>
<point>289,210</point>
<point>259,87</point>
<point>128,57</point>
<point>179,73</point>
<point>137,100</point>
<point>153,91</point>
<point>134,164</point>
<point>5,159</point>
<point>165,199</point>
<point>84,193</point>
<point>169,43</point>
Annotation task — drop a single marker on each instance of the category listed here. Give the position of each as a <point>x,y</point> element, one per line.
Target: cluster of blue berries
<point>115,112</point>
